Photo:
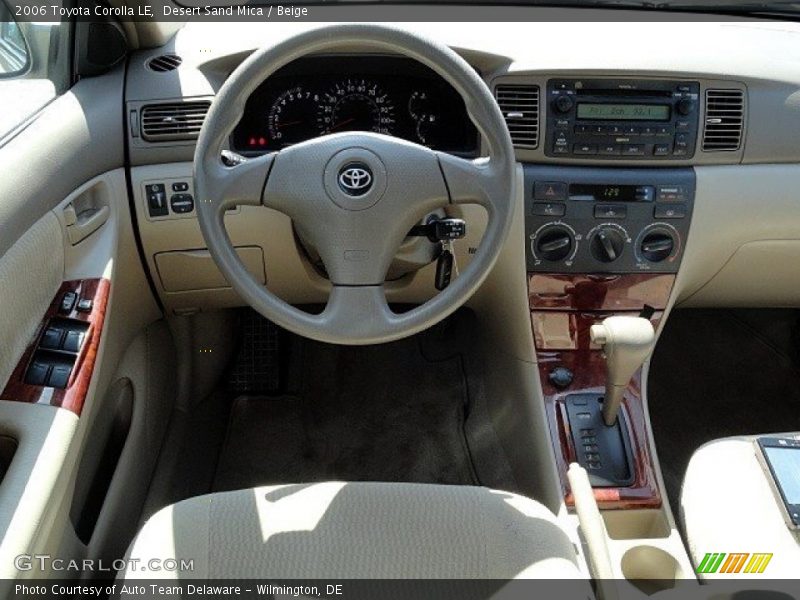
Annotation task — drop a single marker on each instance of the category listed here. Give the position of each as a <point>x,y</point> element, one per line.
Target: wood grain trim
<point>589,369</point>
<point>73,397</point>
<point>554,291</point>
<point>563,308</point>
<point>570,330</point>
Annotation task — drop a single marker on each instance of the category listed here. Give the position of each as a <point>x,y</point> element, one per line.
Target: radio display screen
<point>624,112</point>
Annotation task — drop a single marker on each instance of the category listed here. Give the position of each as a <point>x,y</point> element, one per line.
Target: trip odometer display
<point>291,117</point>
<point>356,105</point>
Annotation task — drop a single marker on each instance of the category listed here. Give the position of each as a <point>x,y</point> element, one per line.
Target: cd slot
<point>624,93</point>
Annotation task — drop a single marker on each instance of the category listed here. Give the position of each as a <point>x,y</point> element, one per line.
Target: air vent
<point>173,121</point>
<point>724,120</point>
<point>164,63</point>
<point>520,107</point>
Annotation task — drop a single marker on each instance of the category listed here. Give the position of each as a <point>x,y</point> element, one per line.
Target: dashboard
<point>629,163</point>
<point>320,95</point>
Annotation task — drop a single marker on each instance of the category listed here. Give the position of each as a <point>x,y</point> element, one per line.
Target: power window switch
<point>37,373</point>
<point>59,376</point>
<point>52,338</point>
<point>73,341</point>
<point>68,302</point>
<point>85,305</point>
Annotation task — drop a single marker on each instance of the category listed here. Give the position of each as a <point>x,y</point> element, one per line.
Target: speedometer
<point>291,117</point>
<point>356,105</point>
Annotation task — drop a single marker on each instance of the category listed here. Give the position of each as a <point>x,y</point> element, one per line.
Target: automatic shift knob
<point>626,342</point>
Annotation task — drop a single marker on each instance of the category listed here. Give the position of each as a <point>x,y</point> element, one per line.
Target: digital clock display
<point>593,192</point>
<point>624,112</point>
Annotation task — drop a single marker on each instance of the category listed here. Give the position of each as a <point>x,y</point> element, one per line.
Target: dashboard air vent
<point>165,62</point>
<point>173,121</point>
<point>724,120</point>
<point>520,107</point>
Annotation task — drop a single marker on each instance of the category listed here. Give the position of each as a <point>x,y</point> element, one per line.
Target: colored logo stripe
<point>734,563</point>
<point>758,563</point>
<point>721,562</point>
<point>711,562</point>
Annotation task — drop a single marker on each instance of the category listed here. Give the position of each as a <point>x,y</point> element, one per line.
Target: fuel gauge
<point>420,104</point>
<point>426,112</point>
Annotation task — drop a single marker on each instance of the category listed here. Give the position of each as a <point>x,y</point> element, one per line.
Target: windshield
<point>774,9</point>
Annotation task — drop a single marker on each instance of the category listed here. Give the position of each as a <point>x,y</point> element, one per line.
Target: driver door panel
<point>64,218</point>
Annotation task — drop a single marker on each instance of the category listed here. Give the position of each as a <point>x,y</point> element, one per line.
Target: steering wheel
<point>353,195</point>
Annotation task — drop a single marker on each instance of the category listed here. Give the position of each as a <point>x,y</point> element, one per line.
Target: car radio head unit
<point>615,118</point>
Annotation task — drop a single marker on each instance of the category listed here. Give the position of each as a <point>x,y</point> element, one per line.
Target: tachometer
<point>291,117</point>
<point>356,105</point>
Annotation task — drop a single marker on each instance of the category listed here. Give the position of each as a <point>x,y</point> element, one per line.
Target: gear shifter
<point>626,343</point>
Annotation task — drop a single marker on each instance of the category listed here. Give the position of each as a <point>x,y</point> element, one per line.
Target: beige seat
<point>727,506</point>
<point>356,530</point>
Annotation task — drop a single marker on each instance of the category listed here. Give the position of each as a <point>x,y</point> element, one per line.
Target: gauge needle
<point>342,123</point>
<point>289,123</point>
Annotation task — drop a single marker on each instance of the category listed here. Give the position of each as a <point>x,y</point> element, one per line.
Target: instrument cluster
<point>321,95</point>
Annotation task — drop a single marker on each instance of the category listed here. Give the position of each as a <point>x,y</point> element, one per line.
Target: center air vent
<point>520,107</point>
<point>165,62</point>
<point>724,120</point>
<point>173,121</point>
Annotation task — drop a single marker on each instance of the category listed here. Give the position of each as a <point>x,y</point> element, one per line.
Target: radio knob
<point>607,244</point>
<point>685,106</point>
<point>563,104</point>
<point>657,246</point>
<point>554,243</point>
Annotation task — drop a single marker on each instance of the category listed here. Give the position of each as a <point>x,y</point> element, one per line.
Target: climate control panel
<point>606,220</point>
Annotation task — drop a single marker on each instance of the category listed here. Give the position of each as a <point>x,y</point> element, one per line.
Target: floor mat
<point>375,413</point>
<point>257,365</point>
<point>717,373</point>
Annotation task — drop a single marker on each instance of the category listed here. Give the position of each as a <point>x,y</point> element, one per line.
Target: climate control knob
<point>607,244</point>
<point>657,246</point>
<point>554,243</point>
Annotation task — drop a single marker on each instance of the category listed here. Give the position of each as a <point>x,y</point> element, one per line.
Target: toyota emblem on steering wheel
<point>355,179</point>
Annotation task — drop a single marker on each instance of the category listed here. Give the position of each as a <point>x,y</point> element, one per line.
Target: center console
<point>609,195</point>
<point>600,242</point>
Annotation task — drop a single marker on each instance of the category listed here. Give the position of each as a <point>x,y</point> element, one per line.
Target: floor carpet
<point>376,413</point>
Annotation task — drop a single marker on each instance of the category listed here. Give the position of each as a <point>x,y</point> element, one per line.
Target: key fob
<point>444,269</point>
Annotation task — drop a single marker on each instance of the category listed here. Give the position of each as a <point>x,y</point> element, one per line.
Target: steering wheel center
<point>355,178</point>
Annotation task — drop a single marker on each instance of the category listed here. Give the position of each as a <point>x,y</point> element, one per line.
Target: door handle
<point>82,225</point>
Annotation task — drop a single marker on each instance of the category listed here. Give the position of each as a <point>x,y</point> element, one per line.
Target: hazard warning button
<point>549,190</point>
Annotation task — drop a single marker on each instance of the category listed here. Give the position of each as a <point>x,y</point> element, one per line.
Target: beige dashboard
<point>187,280</point>
<point>745,232</point>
